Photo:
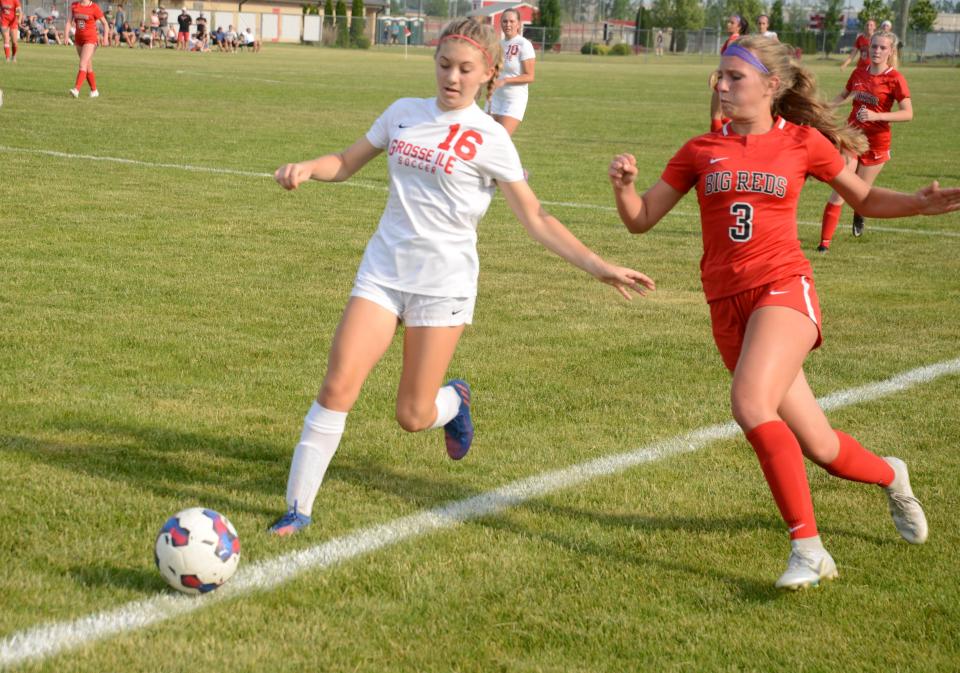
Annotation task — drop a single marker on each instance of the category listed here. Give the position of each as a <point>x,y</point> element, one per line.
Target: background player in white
<point>511,89</point>
<point>445,157</point>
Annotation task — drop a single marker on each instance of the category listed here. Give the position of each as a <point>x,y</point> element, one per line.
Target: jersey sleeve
<point>97,12</point>
<point>527,51</point>
<point>850,79</point>
<point>379,133</point>
<point>681,172</point>
<point>499,158</point>
<point>902,90</point>
<point>824,161</point>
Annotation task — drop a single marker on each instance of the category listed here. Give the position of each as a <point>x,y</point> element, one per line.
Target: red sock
<point>91,78</point>
<point>81,77</point>
<point>857,464</point>
<point>782,463</point>
<point>6,52</point>
<point>831,217</point>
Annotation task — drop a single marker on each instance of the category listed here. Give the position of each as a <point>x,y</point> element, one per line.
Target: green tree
<point>776,16</point>
<point>922,16</point>
<point>357,24</point>
<point>343,35</point>
<point>878,10</point>
<point>643,19</point>
<point>619,9</point>
<point>548,17</point>
<point>328,16</point>
<point>681,15</point>
<point>831,25</point>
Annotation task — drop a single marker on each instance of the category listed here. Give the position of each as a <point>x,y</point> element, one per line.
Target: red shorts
<point>729,315</point>
<point>81,40</point>
<point>183,37</point>
<point>9,22</point>
<point>873,157</point>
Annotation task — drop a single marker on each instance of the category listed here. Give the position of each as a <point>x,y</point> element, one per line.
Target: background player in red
<point>84,16</point>
<point>861,47</point>
<point>874,90</point>
<point>736,26</point>
<point>445,158</point>
<point>10,15</point>
<point>763,304</point>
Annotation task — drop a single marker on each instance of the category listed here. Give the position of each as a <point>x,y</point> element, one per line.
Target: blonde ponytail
<point>798,98</point>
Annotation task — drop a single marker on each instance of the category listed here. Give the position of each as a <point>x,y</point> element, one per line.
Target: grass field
<point>163,327</point>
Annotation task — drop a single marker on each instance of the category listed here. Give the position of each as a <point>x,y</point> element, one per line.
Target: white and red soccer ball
<point>197,550</point>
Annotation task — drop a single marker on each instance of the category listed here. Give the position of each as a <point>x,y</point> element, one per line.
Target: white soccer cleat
<point>95,93</point>
<point>75,93</point>
<point>906,510</point>
<point>805,568</point>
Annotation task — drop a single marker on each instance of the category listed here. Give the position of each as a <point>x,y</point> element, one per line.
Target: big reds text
<point>757,182</point>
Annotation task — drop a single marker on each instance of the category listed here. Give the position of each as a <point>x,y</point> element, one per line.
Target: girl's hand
<point>625,279</point>
<point>498,83</point>
<point>934,200</point>
<point>623,170</point>
<point>866,115</point>
<point>290,176</point>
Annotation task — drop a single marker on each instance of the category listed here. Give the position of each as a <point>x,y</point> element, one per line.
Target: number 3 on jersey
<point>466,145</point>
<point>743,229</point>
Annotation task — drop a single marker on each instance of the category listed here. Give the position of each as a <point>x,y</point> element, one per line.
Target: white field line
<point>48,640</point>
<point>240,79</point>
<point>363,184</point>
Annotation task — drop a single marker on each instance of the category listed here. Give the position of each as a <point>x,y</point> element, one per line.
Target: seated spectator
<point>250,40</point>
<point>145,36</point>
<point>231,39</point>
<point>37,33</point>
<point>128,35</point>
<point>171,37</point>
<point>54,36</point>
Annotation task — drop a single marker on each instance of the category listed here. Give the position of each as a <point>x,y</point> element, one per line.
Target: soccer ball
<point>197,550</point>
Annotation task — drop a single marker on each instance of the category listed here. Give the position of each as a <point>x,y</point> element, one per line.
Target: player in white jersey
<point>445,157</point>
<point>510,90</point>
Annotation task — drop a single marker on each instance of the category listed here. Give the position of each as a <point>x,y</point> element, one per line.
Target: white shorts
<point>417,310</point>
<point>506,105</point>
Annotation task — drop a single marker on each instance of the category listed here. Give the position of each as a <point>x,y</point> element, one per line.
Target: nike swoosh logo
<point>779,291</point>
<point>404,126</point>
<point>457,311</point>
<point>713,161</point>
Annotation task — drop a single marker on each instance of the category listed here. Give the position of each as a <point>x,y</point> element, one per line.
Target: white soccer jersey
<point>514,51</point>
<point>442,165</point>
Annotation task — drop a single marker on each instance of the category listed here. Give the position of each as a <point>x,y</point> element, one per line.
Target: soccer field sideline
<point>379,187</point>
<point>49,640</point>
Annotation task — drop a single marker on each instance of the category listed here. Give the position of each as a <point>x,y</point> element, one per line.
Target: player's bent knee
<point>413,417</point>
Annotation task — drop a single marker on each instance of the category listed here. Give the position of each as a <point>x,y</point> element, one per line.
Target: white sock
<point>448,404</point>
<point>322,430</point>
<point>808,543</point>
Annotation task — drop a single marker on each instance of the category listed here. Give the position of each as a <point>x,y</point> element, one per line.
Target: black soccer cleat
<point>857,225</point>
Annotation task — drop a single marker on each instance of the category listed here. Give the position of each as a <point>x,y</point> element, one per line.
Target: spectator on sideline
<point>162,19</point>
<point>202,32</point>
<point>250,40</point>
<point>658,44</point>
<point>50,28</point>
<point>128,35</point>
<point>120,18</point>
<point>154,26</point>
<point>145,35</point>
<point>230,39</point>
<point>184,21</point>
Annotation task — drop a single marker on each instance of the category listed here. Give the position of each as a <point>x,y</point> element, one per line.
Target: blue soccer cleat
<point>290,523</point>
<point>459,431</point>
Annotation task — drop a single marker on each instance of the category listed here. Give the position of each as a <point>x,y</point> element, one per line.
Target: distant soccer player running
<point>874,91</point>
<point>511,90</point>
<point>84,16</point>
<point>861,47</point>
<point>763,305</point>
<point>10,15</point>
<point>445,157</point>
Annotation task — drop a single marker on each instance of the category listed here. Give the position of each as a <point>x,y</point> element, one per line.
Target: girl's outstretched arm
<point>880,203</point>
<point>639,213</point>
<point>551,234</point>
<point>328,168</point>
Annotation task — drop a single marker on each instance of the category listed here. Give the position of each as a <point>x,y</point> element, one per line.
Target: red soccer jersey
<point>8,8</point>
<point>85,19</point>
<point>877,93</point>
<point>862,45</point>
<point>748,188</point>
<point>732,38</point>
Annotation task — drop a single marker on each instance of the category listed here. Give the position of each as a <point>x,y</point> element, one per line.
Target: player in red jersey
<point>874,91</point>
<point>763,304</point>
<point>84,16</point>
<point>736,26</point>
<point>10,15</point>
<point>861,47</point>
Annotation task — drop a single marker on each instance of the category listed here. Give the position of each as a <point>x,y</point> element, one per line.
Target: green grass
<point>162,332</point>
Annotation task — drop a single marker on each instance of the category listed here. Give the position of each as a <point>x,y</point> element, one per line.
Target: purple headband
<point>746,55</point>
